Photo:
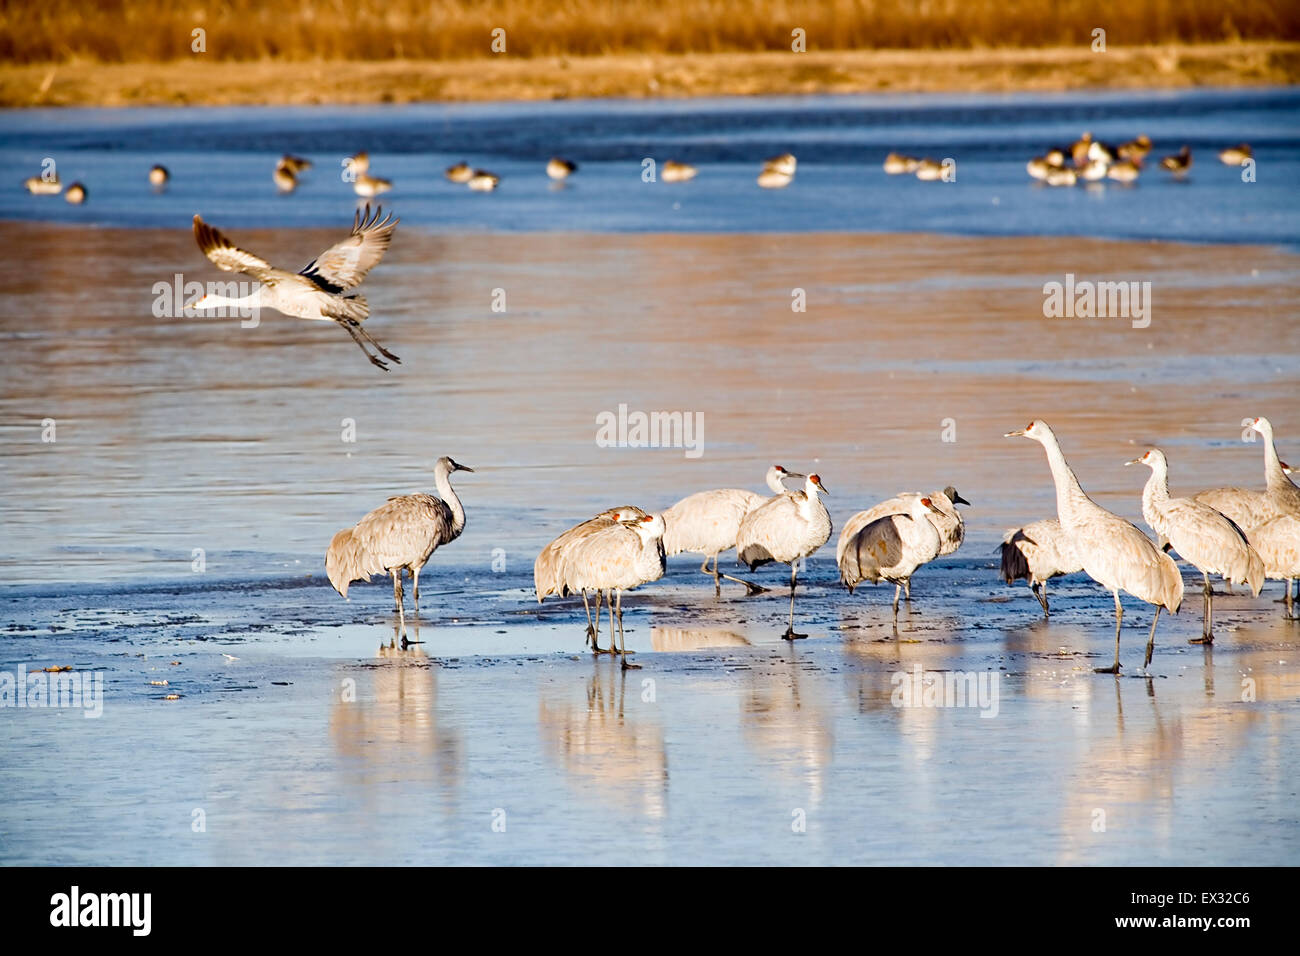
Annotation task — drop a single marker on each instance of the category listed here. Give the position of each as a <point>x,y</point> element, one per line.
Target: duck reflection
<point>389,722</point>
<point>604,742</point>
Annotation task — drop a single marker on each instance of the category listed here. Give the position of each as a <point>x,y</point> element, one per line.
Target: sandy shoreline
<point>204,81</point>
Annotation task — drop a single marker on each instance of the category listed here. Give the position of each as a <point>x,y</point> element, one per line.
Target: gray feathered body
<point>548,569</point>
<point>1037,553</point>
<point>783,529</point>
<point>888,548</point>
<point>400,534</point>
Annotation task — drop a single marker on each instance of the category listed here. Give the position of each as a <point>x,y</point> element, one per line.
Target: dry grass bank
<point>209,81</point>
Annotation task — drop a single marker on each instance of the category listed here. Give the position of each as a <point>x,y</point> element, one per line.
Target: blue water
<point>221,160</point>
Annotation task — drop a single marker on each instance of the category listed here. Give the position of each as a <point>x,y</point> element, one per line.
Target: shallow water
<point>710,753</point>
<point>177,434</point>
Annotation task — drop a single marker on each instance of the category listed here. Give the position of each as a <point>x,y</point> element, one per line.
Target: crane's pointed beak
<point>465,468</point>
<point>959,500</point>
<point>1018,433</point>
<point>1135,461</point>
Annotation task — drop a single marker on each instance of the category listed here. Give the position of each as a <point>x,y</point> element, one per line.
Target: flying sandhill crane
<point>617,559</point>
<point>1114,552</point>
<point>317,291</point>
<point>1249,508</point>
<point>889,548</point>
<point>401,534</point>
<point>1203,537</point>
<point>1277,542</point>
<point>790,526</point>
<point>947,519</point>
<point>548,569</point>
<point>1038,552</point>
<point>708,522</point>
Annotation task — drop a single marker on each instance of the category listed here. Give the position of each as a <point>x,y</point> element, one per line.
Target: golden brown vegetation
<point>215,82</point>
<point>143,31</point>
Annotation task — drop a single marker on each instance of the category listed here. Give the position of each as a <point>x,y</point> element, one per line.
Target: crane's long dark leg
<point>415,576</point>
<point>1207,619</point>
<point>898,589</point>
<point>1290,604</point>
<point>1151,639</point>
<point>750,587</point>
<point>622,642</point>
<point>789,634</point>
<point>350,327</point>
<point>1119,617</point>
<point>397,596</point>
<point>371,339</point>
<point>704,568</point>
<point>1040,592</point>
<point>586,606</point>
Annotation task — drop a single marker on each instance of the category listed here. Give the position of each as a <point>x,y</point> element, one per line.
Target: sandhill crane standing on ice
<point>1114,552</point>
<point>617,559</point>
<point>317,291</point>
<point>1249,508</point>
<point>945,517</point>
<point>1038,552</point>
<point>890,547</point>
<point>401,534</point>
<point>1203,537</point>
<point>548,569</point>
<point>708,522</point>
<point>784,529</point>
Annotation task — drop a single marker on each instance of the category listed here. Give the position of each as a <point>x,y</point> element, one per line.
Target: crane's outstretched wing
<point>227,256</point>
<point>342,266</point>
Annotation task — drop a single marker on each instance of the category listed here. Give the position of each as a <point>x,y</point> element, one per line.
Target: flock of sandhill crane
<point>1244,535</point>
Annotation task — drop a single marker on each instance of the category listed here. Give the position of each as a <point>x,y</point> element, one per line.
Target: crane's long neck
<point>442,479</point>
<point>1274,477</point>
<point>214,301</point>
<point>1155,493</point>
<point>1069,495</point>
